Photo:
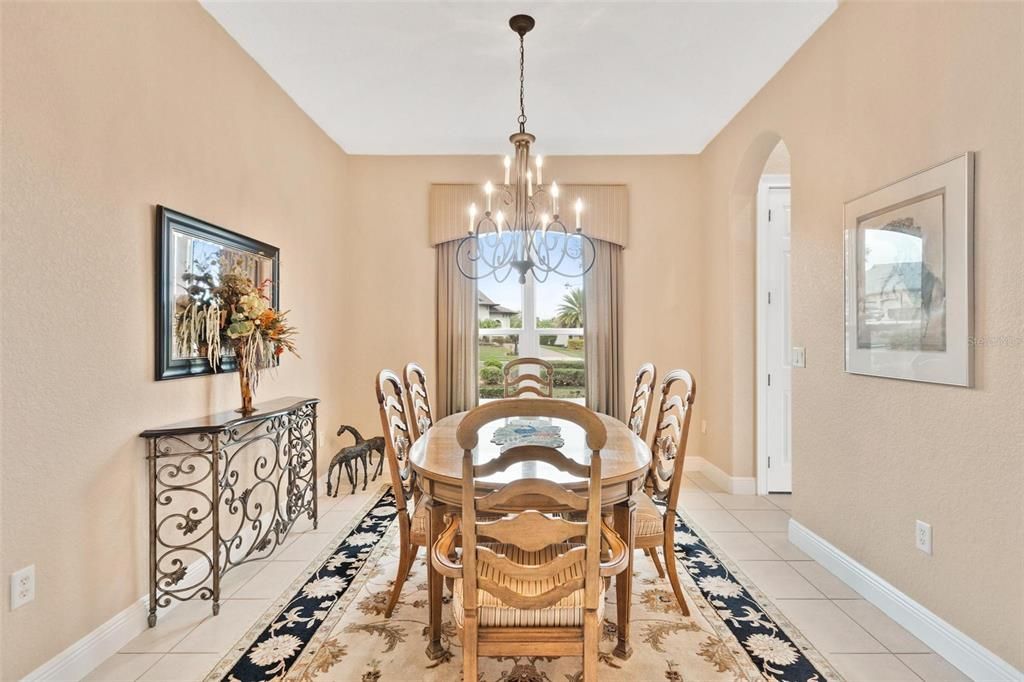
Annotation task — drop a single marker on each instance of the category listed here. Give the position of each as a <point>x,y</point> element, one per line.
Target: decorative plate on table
<point>528,432</point>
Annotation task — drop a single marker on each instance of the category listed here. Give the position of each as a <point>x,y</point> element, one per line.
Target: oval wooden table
<point>437,460</point>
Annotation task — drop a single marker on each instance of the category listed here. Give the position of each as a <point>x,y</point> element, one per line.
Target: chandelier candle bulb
<point>554,198</point>
<point>488,189</point>
<point>579,209</point>
<point>472,218</point>
<point>544,222</point>
<point>498,219</point>
<point>540,165</point>
<point>508,168</point>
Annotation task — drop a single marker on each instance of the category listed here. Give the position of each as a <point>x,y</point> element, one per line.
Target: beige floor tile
<point>780,544</point>
<point>334,521</point>
<point>781,500</point>
<point>743,546</point>
<point>751,502</point>
<point>269,583</point>
<point>828,628</point>
<point>218,633</point>
<point>171,627</point>
<point>304,548</point>
<point>774,520</point>
<point>826,582</point>
<point>715,519</point>
<point>872,668</point>
<point>696,499</point>
<point>238,576</point>
<point>704,483</point>
<point>181,668</point>
<point>883,628</point>
<point>778,580</point>
<point>123,668</point>
<point>933,668</point>
<point>325,504</point>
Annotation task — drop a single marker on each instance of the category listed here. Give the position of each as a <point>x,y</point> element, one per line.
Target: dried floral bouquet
<point>233,313</point>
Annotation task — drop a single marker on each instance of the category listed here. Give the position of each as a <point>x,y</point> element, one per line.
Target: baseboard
<point>973,659</point>
<point>82,657</point>
<point>736,485</point>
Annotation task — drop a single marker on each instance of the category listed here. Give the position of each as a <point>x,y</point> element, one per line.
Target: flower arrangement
<point>233,313</point>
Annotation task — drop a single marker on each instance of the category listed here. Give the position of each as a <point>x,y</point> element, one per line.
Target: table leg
<point>435,582</point>
<point>625,516</point>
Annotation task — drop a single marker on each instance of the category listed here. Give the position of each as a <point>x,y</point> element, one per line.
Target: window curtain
<point>456,335</point>
<point>602,296</point>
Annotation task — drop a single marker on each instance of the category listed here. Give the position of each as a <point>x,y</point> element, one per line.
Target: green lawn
<point>564,351</point>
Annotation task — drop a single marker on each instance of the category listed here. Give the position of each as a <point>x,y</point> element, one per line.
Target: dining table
<point>436,459</point>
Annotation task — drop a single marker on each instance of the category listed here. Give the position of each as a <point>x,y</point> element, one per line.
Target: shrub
<point>490,324</point>
<point>570,377</point>
<point>492,392</point>
<point>490,375</point>
<point>493,362</point>
<point>575,344</point>
<point>566,364</point>
<point>547,339</point>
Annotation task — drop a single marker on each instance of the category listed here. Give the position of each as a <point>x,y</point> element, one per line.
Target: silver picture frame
<point>909,277</point>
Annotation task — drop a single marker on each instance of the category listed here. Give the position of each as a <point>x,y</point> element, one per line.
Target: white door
<point>778,414</point>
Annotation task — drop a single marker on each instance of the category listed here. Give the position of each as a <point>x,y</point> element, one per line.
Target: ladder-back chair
<point>519,383</point>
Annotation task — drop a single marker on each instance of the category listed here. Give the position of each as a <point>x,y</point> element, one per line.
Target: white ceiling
<point>441,77</point>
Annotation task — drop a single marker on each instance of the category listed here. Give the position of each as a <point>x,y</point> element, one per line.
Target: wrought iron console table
<point>224,490</point>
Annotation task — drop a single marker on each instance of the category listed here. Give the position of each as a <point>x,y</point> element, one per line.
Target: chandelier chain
<point>522,86</point>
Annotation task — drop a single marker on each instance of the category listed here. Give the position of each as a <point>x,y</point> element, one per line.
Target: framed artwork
<point>191,254</point>
<point>909,275</point>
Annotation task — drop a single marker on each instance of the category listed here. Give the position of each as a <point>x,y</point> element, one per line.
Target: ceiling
<point>441,77</point>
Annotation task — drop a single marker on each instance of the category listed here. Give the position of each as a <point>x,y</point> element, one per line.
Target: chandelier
<point>520,228</point>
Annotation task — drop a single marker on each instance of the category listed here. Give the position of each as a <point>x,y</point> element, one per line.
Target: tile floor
<point>859,640</point>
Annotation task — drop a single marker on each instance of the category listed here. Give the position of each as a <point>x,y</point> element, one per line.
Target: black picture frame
<point>168,223</point>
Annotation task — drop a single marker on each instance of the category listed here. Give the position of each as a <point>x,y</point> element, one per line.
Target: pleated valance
<point>605,210</point>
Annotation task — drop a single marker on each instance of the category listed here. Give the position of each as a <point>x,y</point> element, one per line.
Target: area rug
<point>329,625</point>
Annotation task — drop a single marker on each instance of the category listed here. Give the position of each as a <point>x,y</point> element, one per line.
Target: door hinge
<point>769,298</point>
<point>769,379</point>
<point>769,215</point>
<point>769,461</point>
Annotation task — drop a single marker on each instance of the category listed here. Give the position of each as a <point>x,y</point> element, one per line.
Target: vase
<point>245,382</point>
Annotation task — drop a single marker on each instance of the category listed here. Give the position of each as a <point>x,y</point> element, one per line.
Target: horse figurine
<point>351,456</point>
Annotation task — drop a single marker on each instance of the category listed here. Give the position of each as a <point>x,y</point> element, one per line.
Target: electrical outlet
<point>799,358</point>
<point>23,586</point>
<point>923,537</point>
<point>703,425</point>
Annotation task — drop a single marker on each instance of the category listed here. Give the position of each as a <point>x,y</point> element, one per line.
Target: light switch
<point>799,356</point>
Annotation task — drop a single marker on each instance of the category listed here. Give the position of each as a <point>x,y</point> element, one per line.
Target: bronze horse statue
<point>350,457</point>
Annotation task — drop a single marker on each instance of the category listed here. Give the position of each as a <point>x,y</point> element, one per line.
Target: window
<point>535,319</point>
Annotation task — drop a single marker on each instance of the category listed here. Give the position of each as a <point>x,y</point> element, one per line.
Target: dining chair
<point>412,518</point>
<point>522,585</point>
<point>520,383</point>
<point>655,528</point>
<point>421,417</point>
<point>643,397</point>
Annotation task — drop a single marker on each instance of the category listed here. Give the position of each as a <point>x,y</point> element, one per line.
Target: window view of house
<point>536,319</point>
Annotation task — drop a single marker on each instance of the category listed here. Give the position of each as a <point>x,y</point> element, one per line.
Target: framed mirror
<point>191,254</point>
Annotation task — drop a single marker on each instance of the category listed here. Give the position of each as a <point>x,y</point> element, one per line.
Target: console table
<point>224,490</point>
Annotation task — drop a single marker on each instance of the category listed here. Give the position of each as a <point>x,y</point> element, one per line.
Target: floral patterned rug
<point>329,626</point>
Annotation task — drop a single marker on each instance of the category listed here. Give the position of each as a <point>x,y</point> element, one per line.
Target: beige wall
<point>880,91</point>
<point>109,109</point>
<point>394,265</point>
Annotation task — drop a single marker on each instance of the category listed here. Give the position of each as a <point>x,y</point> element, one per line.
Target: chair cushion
<point>492,612</point>
<point>649,519</point>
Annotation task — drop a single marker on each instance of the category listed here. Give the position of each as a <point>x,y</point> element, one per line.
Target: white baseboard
<point>82,657</point>
<point>973,659</point>
<point>736,485</point>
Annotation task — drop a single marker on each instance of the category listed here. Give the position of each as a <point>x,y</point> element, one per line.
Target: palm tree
<point>570,312</point>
